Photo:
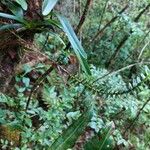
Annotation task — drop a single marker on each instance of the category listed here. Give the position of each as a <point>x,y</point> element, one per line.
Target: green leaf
<point>104,140</point>
<point>47,6</point>
<point>72,36</point>
<point>58,37</point>
<point>69,137</point>
<point>27,68</point>
<point>84,64</point>
<point>78,49</point>
<point>26,81</point>
<point>100,141</point>
<point>17,11</point>
<point>14,8</point>
<point>10,26</point>
<point>51,22</point>
<point>21,89</point>
<point>8,16</point>
<point>23,4</point>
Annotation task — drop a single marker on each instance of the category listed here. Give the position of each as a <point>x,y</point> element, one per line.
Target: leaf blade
<point>78,49</point>
<point>104,140</point>
<point>72,36</point>
<point>14,8</point>
<point>23,4</point>
<point>68,138</point>
<point>47,6</point>
<point>10,26</point>
<point>13,17</point>
<point>100,141</point>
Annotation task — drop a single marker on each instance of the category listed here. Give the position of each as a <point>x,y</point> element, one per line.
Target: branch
<point>123,41</point>
<point>137,48</point>
<point>137,117</point>
<point>84,15</point>
<point>102,15</point>
<point>82,19</point>
<point>120,70</point>
<point>143,50</point>
<point>100,32</point>
<point>141,13</point>
<point>37,83</point>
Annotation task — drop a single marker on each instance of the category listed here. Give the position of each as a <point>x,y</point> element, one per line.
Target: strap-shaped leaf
<point>47,6</point>
<point>101,141</point>
<point>23,4</point>
<point>10,26</point>
<point>72,36</point>
<point>84,64</point>
<point>14,8</point>
<point>76,45</point>
<point>50,22</point>
<point>105,138</point>
<point>69,137</point>
<point>8,16</point>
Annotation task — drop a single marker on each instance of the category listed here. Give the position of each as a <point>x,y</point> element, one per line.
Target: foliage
<point>51,107</point>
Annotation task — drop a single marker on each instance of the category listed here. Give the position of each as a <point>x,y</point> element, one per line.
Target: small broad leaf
<point>69,137</point>
<point>10,26</point>
<point>47,6</point>
<point>26,81</point>
<point>21,89</point>
<point>78,49</point>
<point>23,4</point>
<point>27,68</point>
<point>8,16</point>
<point>59,38</point>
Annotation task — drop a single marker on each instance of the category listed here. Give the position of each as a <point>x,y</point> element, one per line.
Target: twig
<point>141,13</point>
<point>82,19</point>
<point>143,50</point>
<point>120,70</point>
<point>100,32</point>
<point>84,15</point>
<point>100,23</point>
<point>137,117</point>
<point>137,47</point>
<point>118,113</point>
<point>102,15</point>
<point>38,82</point>
<point>123,41</point>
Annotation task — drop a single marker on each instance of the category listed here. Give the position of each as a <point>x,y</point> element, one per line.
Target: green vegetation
<point>74,75</point>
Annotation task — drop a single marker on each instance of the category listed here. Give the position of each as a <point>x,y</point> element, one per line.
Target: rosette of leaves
<point>25,18</point>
